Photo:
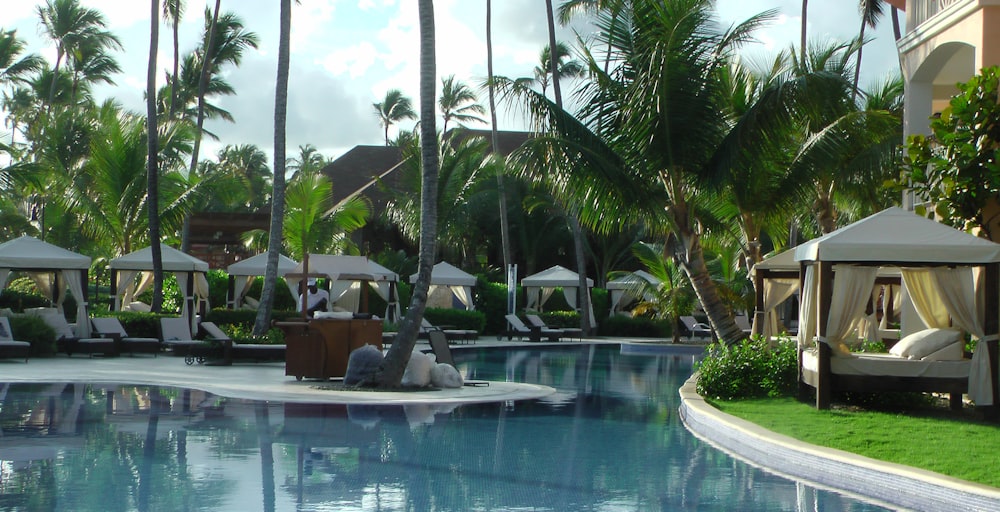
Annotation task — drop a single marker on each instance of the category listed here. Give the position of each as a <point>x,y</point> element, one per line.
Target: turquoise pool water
<point>608,440</point>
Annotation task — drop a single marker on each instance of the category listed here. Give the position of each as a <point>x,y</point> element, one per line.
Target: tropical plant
<point>314,224</point>
<point>458,102</point>
<point>173,11</point>
<point>566,67</point>
<point>395,107</point>
<point>495,140</point>
<point>669,299</point>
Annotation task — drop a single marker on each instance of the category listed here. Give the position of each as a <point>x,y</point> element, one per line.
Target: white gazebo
<point>346,274</point>
<point>132,274</point>
<point>950,279</point>
<point>539,287</point>
<point>776,279</point>
<point>242,273</point>
<point>53,269</point>
<point>449,281</point>
<point>630,286</point>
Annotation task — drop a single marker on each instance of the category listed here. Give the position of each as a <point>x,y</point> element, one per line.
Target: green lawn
<point>939,440</point>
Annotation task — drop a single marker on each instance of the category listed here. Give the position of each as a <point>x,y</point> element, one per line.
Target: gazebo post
<point>231,292</point>
<point>825,289</point>
<point>991,328</point>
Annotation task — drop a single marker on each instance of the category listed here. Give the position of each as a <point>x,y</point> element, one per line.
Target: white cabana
<point>952,279</point>
<point>449,281</point>
<point>53,269</point>
<point>242,273</point>
<point>539,287</point>
<point>776,279</point>
<point>132,274</point>
<point>627,286</point>
<point>346,274</point>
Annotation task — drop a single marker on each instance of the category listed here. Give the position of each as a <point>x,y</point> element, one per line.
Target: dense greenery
<point>34,330</point>
<point>748,369</point>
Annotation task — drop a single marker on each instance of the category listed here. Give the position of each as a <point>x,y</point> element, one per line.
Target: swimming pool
<point>609,439</point>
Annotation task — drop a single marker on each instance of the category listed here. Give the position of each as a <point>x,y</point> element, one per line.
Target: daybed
<point>241,351</point>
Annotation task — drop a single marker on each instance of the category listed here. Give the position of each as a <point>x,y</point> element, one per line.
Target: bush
<point>638,327</point>
<point>34,330</point>
<point>18,300</point>
<point>748,369</point>
<point>139,324</point>
<point>459,318</point>
<point>491,300</point>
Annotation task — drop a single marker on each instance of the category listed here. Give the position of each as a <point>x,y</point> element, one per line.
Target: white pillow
<point>922,343</point>
<point>953,352</point>
<point>336,315</point>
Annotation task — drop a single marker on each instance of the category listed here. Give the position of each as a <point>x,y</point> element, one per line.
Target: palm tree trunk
<point>202,86</point>
<point>263,320</point>
<point>857,64</point>
<point>501,192</point>
<point>152,161</point>
<point>176,80</point>
<point>391,372</point>
<point>803,41</point>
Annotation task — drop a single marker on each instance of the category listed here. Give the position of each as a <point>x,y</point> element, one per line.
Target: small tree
<point>956,168</point>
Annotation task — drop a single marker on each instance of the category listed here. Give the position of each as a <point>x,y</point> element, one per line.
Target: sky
<point>345,55</point>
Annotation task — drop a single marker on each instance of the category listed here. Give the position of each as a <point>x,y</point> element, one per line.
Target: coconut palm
<point>871,12</point>
<point>495,139</point>
<point>90,64</point>
<point>395,107</point>
<point>566,67</point>
<point>14,67</point>
<point>458,102</point>
<point>309,161</point>
<point>173,11</point>
<point>152,163</point>
<point>313,223</point>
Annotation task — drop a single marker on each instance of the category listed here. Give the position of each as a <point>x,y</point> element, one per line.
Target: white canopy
<point>448,280</point>
<point>539,287</point>
<point>346,274</point>
<point>776,279</point>
<point>627,285</point>
<point>189,271</point>
<point>242,272</point>
<point>936,264</point>
<point>53,269</point>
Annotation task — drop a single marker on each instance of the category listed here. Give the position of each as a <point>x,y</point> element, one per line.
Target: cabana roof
<point>446,274</point>
<point>555,276</point>
<point>898,236</point>
<point>257,265</point>
<point>173,261</point>
<point>29,253</point>
<point>628,281</point>
<point>346,268</point>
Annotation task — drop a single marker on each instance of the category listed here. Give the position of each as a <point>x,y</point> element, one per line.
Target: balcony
<point>919,11</point>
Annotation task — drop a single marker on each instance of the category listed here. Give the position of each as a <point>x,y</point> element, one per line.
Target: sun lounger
<point>111,328</point>
<point>696,329</point>
<point>9,347</point>
<point>66,340</point>
<point>241,351</point>
<point>536,321</point>
<point>460,335</point>
<point>175,334</point>
<point>517,328</point>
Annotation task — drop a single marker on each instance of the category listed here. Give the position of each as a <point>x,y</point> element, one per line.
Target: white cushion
<point>922,343</point>
<point>336,315</point>
<point>953,352</point>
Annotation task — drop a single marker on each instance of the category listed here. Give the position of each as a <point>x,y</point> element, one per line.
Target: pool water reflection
<point>608,439</point>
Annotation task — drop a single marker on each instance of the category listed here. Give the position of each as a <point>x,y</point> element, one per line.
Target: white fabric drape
<point>125,278</point>
<point>43,281</point>
<point>776,291</point>
<point>74,280</point>
<point>538,296</point>
<point>868,323</point>
<point>962,294</point>
<point>808,317</point>
<point>852,287</point>
<point>926,296</point>
<point>241,284</point>
<point>186,313</point>
<point>338,289</point>
<point>894,291</point>
<point>570,294</point>
<point>464,294</point>
<point>4,275</point>
<point>616,298</point>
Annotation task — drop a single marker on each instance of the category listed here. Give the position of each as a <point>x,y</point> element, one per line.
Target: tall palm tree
<point>495,138</point>
<point>313,223</point>
<point>206,70</point>
<point>173,11</point>
<point>871,13</point>
<point>565,66</point>
<point>395,107</point>
<point>458,102</point>
<point>275,230</point>
<point>14,67</point>
<point>309,161</point>
<point>70,26</point>
<point>152,151</point>
<point>90,64</point>
<point>391,371</point>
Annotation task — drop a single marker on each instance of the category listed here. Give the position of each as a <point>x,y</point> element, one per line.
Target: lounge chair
<point>66,340</point>
<point>744,324</point>
<point>9,347</point>
<point>517,328</point>
<point>241,351</point>
<point>111,328</point>
<point>442,354</point>
<point>460,335</point>
<point>696,329</point>
<point>568,332</point>
<point>175,334</point>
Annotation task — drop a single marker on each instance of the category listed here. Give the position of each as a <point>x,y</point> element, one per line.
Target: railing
<point>920,11</point>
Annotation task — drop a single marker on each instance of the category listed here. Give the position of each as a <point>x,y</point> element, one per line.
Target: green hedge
<point>34,330</point>
<point>18,300</point>
<point>457,318</point>
<point>748,369</point>
<point>626,326</point>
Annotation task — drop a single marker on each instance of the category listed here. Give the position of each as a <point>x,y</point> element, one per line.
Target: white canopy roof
<point>173,261</point>
<point>26,253</point>
<point>898,236</point>
<point>446,274</point>
<point>346,268</point>
<point>627,281</point>
<point>555,276</point>
<point>257,265</point>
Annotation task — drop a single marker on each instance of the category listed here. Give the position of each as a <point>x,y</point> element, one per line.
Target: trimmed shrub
<point>18,300</point>
<point>748,369</point>
<point>561,319</point>
<point>491,300</point>
<point>635,327</point>
<point>34,330</point>
<point>459,318</point>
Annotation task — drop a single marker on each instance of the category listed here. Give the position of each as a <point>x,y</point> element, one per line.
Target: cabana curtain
<point>776,291</point>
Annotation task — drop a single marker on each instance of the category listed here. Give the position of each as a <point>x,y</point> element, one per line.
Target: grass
<point>936,439</point>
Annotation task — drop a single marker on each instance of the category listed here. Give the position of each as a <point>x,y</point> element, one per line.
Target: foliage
<point>491,300</point>
<point>459,318</point>
<point>957,169</point>
<point>243,333</point>
<point>634,327</point>
<point>34,330</point>
<point>561,319</point>
<point>18,296</point>
<point>244,317</point>
<point>748,369</point>
<point>139,324</point>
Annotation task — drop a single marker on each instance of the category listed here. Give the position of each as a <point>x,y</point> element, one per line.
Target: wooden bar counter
<point>319,348</point>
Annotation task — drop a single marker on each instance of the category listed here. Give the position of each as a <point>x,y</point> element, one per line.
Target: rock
<point>364,361</point>
<point>418,370</point>
<point>446,376</point>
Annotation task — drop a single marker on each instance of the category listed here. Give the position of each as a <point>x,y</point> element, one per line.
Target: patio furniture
<point>696,329</point>
<point>568,332</point>
<point>232,350</point>
<point>459,335</point>
<point>66,340</point>
<point>176,336</point>
<point>517,328</point>
<point>9,347</point>
<point>110,328</point>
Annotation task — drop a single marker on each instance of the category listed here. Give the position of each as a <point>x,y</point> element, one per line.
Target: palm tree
<point>458,102</point>
<point>275,230</point>
<point>173,11</point>
<point>309,161</point>
<point>565,66</point>
<point>871,12</point>
<point>12,68</point>
<point>395,107</point>
<point>313,223</point>
<point>495,139</point>
<point>71,26</point>
<point>391,371</point>
<point>152,167</point>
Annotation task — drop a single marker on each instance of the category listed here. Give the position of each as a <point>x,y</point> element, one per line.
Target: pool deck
<point>890,485</point>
